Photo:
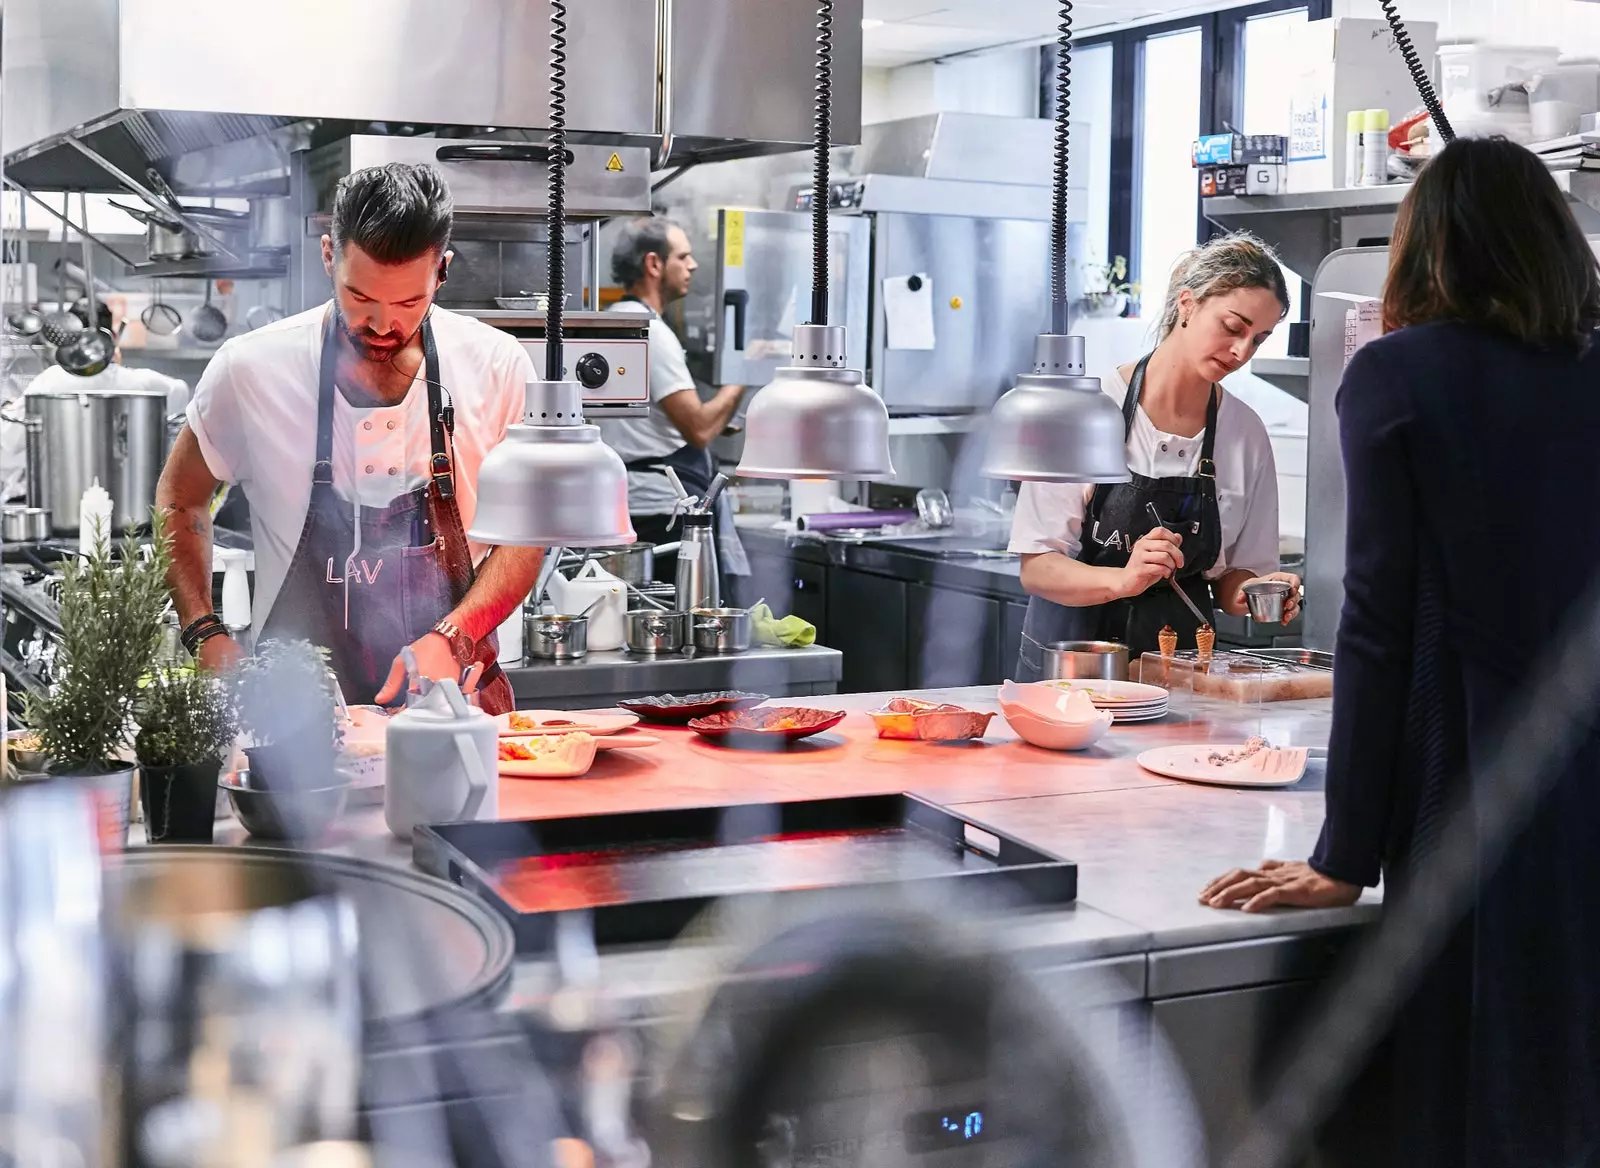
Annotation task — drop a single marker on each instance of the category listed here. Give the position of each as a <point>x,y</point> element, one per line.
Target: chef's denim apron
<point>366,601</point>
<point>1116,519</point>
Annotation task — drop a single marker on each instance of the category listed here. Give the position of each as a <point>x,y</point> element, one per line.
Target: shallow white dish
<point>562,722</point>
<point>1281,767</point>
<point>1111,694</point>
<point>1041,732</point>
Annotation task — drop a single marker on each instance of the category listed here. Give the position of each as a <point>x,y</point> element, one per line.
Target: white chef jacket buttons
<point>391,423</point>
<point>369,468</point>
<point>394,470</point>
<point>366,425</point>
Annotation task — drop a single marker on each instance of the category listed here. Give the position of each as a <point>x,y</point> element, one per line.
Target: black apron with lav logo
<point>1116,519</point>
<point>413,564</point>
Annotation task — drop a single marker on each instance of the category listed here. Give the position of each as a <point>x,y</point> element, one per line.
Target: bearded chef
<point>355,432</point>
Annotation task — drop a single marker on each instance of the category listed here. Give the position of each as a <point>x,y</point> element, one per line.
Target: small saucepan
<point>556,638</point>
<point>721,630</point>
<point>651,632</point>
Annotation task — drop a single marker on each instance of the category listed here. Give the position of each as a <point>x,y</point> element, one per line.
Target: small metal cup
<point>1266,599</point>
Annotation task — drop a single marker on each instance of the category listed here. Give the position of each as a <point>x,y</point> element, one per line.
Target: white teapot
<point>442,761</point>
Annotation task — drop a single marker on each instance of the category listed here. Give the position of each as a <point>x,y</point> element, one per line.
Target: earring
<point>1185,323</point>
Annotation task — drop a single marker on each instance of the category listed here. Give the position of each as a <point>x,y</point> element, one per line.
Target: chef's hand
<point>1291,606</point>
<point>435,661</point>
<point>219,654</point>
<point>1153,559</point>
<point>1278,884</point>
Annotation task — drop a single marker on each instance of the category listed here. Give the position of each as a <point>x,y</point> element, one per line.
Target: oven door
<point>763,289</point>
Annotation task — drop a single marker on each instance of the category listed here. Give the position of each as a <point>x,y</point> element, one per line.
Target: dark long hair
<point>1486,238</point>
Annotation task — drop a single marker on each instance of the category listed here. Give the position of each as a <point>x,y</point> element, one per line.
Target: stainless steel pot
<point>632,563</point>
<point>651,632</point>
<point>556,638</point>
<point>116,437</point>
<point>721,630</point>
<point>272,224</point>
<point>21,524</point>
<point>1086,660</point>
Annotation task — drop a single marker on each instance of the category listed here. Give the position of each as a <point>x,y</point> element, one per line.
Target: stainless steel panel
<point>743,69</point>
<point>773,270</point>
<point>1358,271</point>
<point>970,147</point>
<point>498,186</point>
<point>1208,968</point>
<point>973,200</point>
<point>996,271</point>
<point>449,62</point>
<point>60,67</point>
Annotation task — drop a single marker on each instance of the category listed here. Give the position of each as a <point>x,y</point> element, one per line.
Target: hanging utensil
<point>27,320</point>
<point>262,315</point>
<point>90,352</point>
<point>207,324</point>
<point>61,326</point>
<point>159,317</point>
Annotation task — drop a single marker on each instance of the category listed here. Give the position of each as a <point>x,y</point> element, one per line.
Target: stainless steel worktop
<point>604,678</point>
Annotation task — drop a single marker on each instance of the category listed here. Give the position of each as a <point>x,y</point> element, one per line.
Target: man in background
<point>653,263</point>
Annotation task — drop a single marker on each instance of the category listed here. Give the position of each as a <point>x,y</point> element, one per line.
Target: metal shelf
<point>254,266</point>
<point>1290,374</point>
<point>1304,227</point>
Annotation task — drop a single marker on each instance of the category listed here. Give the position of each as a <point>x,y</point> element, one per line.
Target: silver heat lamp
<point>1056,426</point>
<point>551,482</point>
<point>816,419</point>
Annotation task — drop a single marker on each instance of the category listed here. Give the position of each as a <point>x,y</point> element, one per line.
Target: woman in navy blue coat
<point>1470,435</point>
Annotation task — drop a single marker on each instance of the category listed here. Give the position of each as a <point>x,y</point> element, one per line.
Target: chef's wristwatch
<point>461,645</point>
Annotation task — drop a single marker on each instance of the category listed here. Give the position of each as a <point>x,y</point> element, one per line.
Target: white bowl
<point>1042,732</point>
<point>1049,704</point>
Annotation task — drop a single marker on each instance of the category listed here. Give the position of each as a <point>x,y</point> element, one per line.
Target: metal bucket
<point>1086,660</point>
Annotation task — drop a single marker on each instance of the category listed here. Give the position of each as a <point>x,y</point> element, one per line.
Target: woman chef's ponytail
<point>1225,264</point>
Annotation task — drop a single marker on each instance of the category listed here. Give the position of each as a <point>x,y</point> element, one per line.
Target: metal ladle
<point>207,324</point>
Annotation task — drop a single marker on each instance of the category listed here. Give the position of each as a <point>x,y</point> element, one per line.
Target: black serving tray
<point>645,875</point>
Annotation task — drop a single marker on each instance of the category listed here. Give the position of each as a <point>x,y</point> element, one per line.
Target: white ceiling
<point>920,30</point>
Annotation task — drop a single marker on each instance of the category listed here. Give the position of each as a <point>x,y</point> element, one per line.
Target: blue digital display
<point>928,1131</point>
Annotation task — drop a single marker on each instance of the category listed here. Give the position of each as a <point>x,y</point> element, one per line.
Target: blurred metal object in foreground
<point>242,1012</point>
<point>52,977</point>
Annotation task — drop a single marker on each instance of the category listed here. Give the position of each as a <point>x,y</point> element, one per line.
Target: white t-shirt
<point>654,435</point>
<point>1247,486</point>
<point>255,416</point>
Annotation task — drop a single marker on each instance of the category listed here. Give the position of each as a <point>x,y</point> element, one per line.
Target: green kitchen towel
<point>791,632</point>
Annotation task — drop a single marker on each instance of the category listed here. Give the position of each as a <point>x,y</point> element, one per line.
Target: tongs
<point>1205,621</point>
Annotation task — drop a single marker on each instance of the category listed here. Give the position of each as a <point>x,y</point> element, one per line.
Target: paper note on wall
<point>1363,321</point>
<point>908,311</point>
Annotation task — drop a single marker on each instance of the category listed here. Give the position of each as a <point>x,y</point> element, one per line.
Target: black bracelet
<point>201,629</point>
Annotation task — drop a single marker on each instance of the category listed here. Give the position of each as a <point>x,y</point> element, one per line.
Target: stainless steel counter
<point>601,679</point>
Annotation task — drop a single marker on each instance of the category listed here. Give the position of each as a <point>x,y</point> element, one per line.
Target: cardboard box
<point>1240,149</point>
<point>1346,64</point>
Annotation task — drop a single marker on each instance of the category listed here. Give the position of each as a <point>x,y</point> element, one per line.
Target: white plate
<point>1113,694</point>
<point>1120,718</point>
<point>1270,768</point>
<point>565,722</point>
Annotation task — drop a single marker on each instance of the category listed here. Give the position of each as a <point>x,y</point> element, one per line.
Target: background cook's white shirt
<point>652,436</point>
<point>1247,486</point>
<point>255,416</point>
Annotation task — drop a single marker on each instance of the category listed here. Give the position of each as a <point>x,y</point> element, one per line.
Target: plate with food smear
<point>563,722</point>
<point>547,756</point>
<point>1256,763</point>
<point>770,723</point>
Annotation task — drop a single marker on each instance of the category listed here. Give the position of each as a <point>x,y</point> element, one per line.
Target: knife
<point>1182,595</point>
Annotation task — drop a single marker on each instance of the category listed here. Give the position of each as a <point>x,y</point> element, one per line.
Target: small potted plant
<point>286,704</point>
<point>110,610</point>
<point>1107,290</point>
<point>186,727</point>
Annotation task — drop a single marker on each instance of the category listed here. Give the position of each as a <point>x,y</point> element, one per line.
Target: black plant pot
<point>292,765</point>
<point>180,802</point>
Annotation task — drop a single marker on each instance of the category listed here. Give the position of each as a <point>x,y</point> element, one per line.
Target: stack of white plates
<point>1128,701</point>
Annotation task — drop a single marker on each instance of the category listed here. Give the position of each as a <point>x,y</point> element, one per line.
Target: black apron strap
<point>1208,445</point>
<point>441,418</point>
<point>1130,407</point>
<point>322,473</point>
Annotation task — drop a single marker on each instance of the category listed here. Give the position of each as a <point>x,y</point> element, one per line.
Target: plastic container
<point>1375,148</point>
<point>94,518</point>
<point>1484,87</point>
<point>1354,124</point>
<point>1559,97</point>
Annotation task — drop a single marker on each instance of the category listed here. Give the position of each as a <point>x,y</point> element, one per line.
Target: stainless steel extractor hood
<point>213,93</point>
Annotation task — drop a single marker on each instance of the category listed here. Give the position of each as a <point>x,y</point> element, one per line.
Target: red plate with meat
<point>672,710</point>
<point>769,722</point>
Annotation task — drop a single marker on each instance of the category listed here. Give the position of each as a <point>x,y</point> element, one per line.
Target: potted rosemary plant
<point>186,727</point>
<point>285,702</point>
<point>110,610</point>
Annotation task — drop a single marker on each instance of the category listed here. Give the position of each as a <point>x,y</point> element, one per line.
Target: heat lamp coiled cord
<point>1058,210</point>
<point>822,122</point>
<point>558,187</point>
<point>1419,75</point>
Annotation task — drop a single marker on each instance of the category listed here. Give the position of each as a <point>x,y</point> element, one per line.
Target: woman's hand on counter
<point>1152,560</point>
<point>1278,884</point>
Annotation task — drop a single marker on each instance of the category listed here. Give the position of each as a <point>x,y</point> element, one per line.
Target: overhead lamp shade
<point>1056,426</point>
<point>552,482</point>
<point>817,419</point>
